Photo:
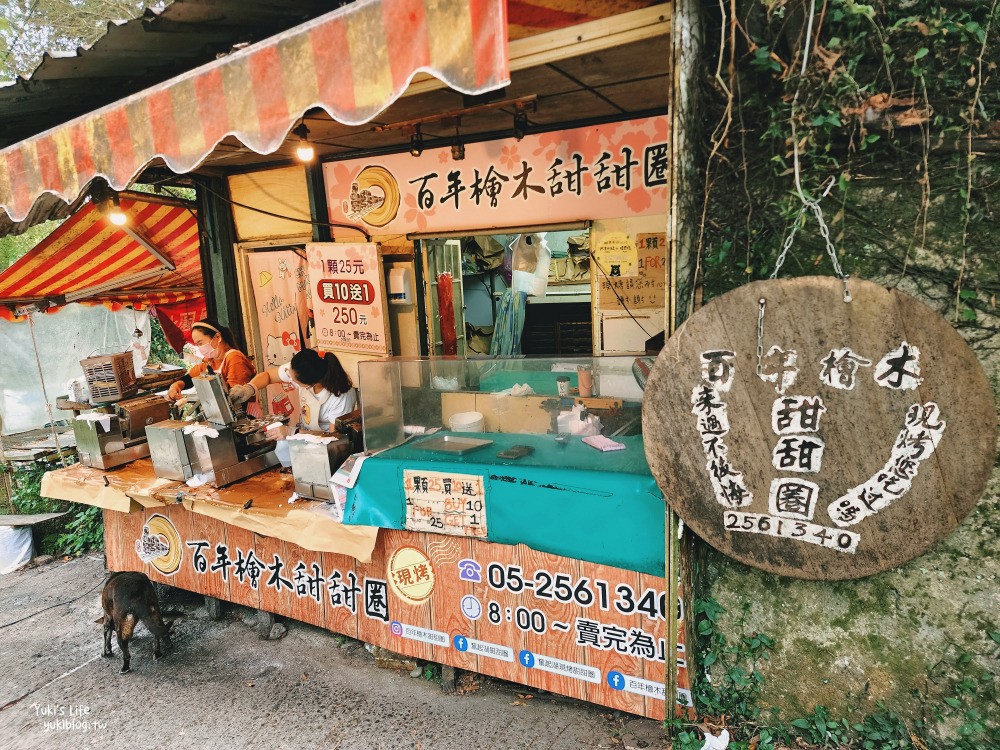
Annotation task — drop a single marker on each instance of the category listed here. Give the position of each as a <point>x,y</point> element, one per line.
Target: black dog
<point>129,598</point>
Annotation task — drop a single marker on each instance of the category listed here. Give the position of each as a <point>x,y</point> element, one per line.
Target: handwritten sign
<point>881,434</point>
<point>445,503</point>
<point>348,297</point>
<point>635,269</point>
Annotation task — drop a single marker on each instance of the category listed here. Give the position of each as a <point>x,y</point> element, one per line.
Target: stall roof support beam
<point>142,239</point>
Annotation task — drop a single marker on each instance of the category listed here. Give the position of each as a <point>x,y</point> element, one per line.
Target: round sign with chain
<point>818,438</point>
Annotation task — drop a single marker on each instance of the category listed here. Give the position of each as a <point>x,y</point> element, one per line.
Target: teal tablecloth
<point>542,383</point>
<point>570,500</point>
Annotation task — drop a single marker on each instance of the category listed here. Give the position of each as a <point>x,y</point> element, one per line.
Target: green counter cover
<point>570,500</point>
<point>542,383</point>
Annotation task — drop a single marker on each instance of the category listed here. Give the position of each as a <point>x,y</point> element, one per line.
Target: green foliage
<point>28,28</point>
<point>84,531</point>
<point>12,247</point>
<point>80,530</point>
<point>971,683</point>
<point>728,686</point>
<point>890,96</point>
<point>159,349</point>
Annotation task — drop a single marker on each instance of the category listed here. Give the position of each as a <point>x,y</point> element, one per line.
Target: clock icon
<point>471,607</point>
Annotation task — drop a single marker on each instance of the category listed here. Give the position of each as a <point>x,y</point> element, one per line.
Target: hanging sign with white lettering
<point>818,438</point>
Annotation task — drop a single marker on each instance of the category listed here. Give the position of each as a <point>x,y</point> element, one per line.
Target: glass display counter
<point>511,451</point>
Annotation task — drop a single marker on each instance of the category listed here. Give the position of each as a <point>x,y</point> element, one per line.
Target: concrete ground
<point>220,687</point>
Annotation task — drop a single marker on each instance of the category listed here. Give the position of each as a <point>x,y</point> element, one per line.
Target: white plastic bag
<point>530,264</point>
<point>16,548</point>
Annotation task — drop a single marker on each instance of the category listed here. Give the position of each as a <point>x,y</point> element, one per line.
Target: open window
<point>467,278</point>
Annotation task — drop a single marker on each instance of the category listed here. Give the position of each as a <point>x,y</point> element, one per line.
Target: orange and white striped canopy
<point>88,256</point>
<point>353,63</point>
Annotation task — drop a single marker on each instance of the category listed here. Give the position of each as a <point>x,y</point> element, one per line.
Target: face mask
<point>207,351</point>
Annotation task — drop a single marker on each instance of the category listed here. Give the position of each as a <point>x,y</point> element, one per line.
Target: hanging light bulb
<point>520,124</point>
<point>458,147</point>
<point>416,143</point>
<point>304,150</point>
<point>115,214</point>
<point>106,201</point>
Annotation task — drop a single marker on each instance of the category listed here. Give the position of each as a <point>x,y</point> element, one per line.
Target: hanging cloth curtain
<point>509,324</point>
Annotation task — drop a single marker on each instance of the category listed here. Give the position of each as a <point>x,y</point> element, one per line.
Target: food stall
<point>516,549</point>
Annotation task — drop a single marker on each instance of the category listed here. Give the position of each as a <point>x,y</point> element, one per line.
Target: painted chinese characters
<point>793,498</point>
<point>792,418</point>
<point>840,369</point>
<point>900,368</point>
<point>779,367</point>
<point>601,172</point>
<point>717,368</point>
<point>921,433</point>
<point>835,448</point>
<point>445,503</point>
<point>799,449</point>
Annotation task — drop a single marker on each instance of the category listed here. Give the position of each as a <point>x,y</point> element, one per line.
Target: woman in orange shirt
<point>218,349</point>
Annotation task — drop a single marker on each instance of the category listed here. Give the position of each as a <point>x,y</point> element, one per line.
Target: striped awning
<point>88,258</point>
<point>353,63</point>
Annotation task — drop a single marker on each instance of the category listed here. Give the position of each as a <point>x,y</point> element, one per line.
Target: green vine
<point>883,97</point>
<point>81,529</point>
<point>728,687</point>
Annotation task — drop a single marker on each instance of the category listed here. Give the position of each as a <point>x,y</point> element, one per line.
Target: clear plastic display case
<point>576,396</point>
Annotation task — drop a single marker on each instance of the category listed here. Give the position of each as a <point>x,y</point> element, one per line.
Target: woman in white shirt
<point>325,389</point>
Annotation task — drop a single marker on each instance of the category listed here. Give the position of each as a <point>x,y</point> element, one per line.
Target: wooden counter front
<point>579,629</point>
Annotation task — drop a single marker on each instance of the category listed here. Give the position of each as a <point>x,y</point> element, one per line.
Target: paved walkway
<point>221,687</point>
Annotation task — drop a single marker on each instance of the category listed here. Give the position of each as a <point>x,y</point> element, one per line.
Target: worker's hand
<point>174,392</point>
<point>239,394</point>
<point>277,431</point>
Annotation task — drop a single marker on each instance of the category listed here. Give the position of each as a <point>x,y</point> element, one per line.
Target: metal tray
<point>456,446</point>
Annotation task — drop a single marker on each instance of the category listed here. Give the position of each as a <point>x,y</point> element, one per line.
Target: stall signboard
<point>819,435</point>
<point>603,171</point>
<point>444,502</point>
<point>281,313</point>
<point>346,284</point>
<point>633,271</point>
<point>580,629</point>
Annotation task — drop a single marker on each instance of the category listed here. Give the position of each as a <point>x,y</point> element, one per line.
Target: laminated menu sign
<point>348,296</point>
<point>443,502</point>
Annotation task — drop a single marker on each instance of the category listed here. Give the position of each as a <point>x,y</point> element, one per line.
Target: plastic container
<point>562,385</point>
<point>467,421</point>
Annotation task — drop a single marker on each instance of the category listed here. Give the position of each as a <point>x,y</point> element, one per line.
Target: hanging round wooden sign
<point>817,438</point>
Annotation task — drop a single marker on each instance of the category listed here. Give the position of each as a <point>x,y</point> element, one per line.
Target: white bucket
<point>467,421</point>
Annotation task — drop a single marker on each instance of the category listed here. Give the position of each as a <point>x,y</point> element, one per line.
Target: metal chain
<point>830,249</point>
<point>813,205</point>
<point>788,243</point>
<point>760,337</point>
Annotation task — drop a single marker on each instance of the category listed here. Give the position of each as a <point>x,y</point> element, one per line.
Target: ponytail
<point>311,367</point>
